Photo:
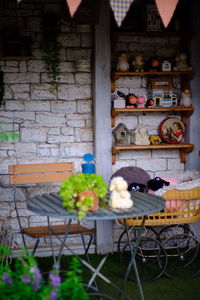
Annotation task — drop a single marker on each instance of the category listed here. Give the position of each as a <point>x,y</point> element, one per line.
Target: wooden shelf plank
<point>116,74</point>
<point>186,34</point>
<point>186,76</point>
<point>144,147</point>
<point>185,111</point>
<point>184,148</point>
<point>177,108</point>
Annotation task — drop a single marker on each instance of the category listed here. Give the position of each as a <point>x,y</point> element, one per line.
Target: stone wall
<point>55,126</point>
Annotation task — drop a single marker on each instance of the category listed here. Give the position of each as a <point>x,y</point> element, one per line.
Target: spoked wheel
<point>151,259</point>
<point>171,230</point>
<point>133,232</point>
<point>183,256</point>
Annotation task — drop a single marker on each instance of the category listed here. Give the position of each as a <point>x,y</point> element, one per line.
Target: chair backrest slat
<point>40,173</point>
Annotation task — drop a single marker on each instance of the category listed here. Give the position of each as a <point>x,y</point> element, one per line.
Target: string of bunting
<point>73,5</point>
<point>166,10</point>
<point>120,8</point>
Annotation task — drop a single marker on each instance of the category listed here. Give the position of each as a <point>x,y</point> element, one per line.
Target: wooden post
<point>194,159</point>
<point>102,114</point>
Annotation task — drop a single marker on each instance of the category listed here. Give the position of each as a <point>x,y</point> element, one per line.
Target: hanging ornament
<point>120,9</point>
<point>166,10</point>
<point>73,6</point>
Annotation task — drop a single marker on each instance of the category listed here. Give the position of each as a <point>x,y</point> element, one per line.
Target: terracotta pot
<point>92,194</point>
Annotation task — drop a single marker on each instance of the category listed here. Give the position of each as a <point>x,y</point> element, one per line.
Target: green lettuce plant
<point>24,280</point>
<point>70,188</point>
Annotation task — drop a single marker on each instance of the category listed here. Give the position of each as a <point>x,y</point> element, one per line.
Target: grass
<point>163,288</point>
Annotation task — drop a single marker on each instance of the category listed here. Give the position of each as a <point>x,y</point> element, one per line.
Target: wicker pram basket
<point>182,207</point>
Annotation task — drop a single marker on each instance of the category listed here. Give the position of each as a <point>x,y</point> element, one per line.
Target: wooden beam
<point>102,114</point>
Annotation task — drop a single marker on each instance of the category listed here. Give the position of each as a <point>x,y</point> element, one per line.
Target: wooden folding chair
<point>23,174</point>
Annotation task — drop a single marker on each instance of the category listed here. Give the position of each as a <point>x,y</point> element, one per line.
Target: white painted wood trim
<point>102,114</point>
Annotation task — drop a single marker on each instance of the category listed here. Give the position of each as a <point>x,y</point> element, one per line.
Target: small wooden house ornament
<point>162,92</point>
<point>121,134</point>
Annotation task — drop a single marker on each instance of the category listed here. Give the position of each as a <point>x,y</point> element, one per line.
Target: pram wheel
<point>151,258</point>
<point>171,230</point>
<point>123,240</point>
<point>183,256</point>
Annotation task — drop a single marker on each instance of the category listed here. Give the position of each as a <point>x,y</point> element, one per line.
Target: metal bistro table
<point>50,205</point>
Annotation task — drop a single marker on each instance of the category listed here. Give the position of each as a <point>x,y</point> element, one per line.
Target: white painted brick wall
<point>33,134</point>
<point>25,149</point>
<point>67,107</point>
<point>41,91</point>
<point>28,77</point>
<point>74,92</point>
<point>52,126</point>
<point>50,119</point>
<point>84,107</point>
<point>37,106</point>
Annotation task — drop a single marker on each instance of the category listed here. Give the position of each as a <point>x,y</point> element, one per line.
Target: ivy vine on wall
<point>51,48</point>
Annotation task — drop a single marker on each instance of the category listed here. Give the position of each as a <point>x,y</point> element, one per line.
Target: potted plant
<point>78,190</point>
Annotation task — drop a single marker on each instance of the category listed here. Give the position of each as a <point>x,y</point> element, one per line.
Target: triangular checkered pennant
<point>120,9</point>
<point>166,10</point>
<point>73,6</point>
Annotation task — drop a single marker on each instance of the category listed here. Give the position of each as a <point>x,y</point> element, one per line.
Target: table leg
<point>132,262</point>
<point>63,241</point>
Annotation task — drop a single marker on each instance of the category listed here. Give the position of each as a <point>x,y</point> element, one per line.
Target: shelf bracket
<point>183,152</point>
<point>113,84</point>
<point>113,115</point>
<point>185,116</point>
<point>114,155</point>
<point>185,78</point>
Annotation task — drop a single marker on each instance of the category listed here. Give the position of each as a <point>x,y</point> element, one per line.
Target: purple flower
<point>7,279</point>
<point>26,279</point>
<point>54,295</point>
<point>37,277</point>
<point>55,279</point>
<point>56,266</point>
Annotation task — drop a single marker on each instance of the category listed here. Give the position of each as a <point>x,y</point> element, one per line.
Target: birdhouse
<point>121,134</point>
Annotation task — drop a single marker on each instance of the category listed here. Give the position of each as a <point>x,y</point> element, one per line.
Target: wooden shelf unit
<point>185,76</point>
<point>183,148</point>
<point>185,111</point>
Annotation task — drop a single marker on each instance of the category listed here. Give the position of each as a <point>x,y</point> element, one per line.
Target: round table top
<point>51,205</point>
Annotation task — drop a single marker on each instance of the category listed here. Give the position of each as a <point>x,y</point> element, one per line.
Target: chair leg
<point>18,218</point>
<point>35,247</point>
<point>51,240</point>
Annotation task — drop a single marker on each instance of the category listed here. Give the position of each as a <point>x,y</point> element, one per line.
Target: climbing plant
<point>51,48</point>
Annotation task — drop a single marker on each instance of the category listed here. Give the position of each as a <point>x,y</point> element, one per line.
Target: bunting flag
<point>120,8</point>
<point>166,10</point>
<point>73,6</point>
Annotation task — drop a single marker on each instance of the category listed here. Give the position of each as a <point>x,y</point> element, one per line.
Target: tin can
<point>166,66</point>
